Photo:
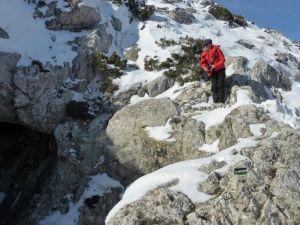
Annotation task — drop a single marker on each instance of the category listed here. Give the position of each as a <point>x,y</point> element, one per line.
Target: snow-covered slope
<point>30,38</point>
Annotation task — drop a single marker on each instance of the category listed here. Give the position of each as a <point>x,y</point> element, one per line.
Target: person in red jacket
<point>212,61</point>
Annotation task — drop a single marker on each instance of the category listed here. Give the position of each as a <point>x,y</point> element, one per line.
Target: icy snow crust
<point>31,39</point>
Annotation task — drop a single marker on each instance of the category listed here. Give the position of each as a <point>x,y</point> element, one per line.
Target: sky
<point>275,14</point>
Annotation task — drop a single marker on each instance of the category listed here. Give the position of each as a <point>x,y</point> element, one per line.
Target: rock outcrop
<point>267,75</point>
<point>181,16</point>
<point>78,18</point>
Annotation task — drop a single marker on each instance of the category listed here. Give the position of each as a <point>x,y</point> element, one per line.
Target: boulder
<point>236,125</point>
<point>237,64</point>
<point>132,53</point>
<point>99,39</point>
<point>161,206</point>
<point>267,75</point>
<point>82,17</point>
<point>181,16</point>
<point>132,147</point>
<point>246,44</point>
<point>37,99</point>
<point>152,112</point>
<point>159,85</point>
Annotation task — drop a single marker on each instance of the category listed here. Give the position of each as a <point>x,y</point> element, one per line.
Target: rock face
<point>181,16</point>
<point>126,131</point>
<point>8,63</point>
<point>265,74</point>
<point>146,113</point>
<point>37,99</point>
<point>246,44</point>
<point>235,125</point>
<point>267,193</point>
<point>132,53</point>
<point>238,64</point>
<point>78,18</point>
<point>163,207</point>
<point>99,39</point>
<point>159,85</point>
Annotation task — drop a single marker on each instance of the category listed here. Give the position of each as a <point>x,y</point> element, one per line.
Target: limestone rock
<point>160,206</point>
<point>238,64</point>
<point>154,112</point>
<point>96,209</point>
<point>212,166</point>
<point>211,184</point>
<point>132,147</point>
<point>159,85</point>
<point>78,18</point>
<point>266,74</point>
<point>99,39</point>
<point>8,63</point>
<point>235,125</point>
<point>37,97</point>
<point>246,44</point>
<point>181,16</point>
<point>132,53</point>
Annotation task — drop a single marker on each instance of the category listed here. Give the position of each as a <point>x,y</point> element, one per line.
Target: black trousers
<point>217,85</point>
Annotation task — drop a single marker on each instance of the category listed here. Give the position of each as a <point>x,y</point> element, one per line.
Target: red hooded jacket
<point>212,56</point>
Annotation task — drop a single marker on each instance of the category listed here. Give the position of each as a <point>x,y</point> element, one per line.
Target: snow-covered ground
<point>32,40</point>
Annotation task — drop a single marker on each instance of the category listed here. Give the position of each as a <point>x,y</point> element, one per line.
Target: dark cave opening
<point>27,158</point>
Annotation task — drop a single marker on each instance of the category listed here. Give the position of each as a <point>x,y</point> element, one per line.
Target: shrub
<point>164,43</point>
<point>151,64</point>
<point>139,9</point>
<point>240,20</point>
<point>115,59</point>
<point>99,62</point>
<point>117,2</point>
<point>221,13</point>
<point>107,85</point>
<point>145,12</point>
<point>179,65</point>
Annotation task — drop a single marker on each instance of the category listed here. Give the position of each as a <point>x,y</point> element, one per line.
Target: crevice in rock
<point>27,158</point>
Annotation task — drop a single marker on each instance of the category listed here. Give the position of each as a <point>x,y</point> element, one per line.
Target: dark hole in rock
<point>78,110</point>
<point>27,158</point>
<point>92,201</point>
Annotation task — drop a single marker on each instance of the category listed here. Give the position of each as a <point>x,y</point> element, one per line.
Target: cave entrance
<point>27,158</point>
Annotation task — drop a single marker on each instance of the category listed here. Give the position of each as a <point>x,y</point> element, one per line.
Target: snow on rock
<point>256,129</point>
<point>98,185</point>
<point>211,148</point>
<point>187,173</point>
<point>161,133</point>
<point>30,38</point>
<point>218,115</point>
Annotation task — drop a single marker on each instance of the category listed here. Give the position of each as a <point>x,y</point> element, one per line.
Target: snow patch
<point>98,185</point>
<point>187,174</point>
<point>256,129</point>
<point>210,148</point>
<point>161,133</point>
